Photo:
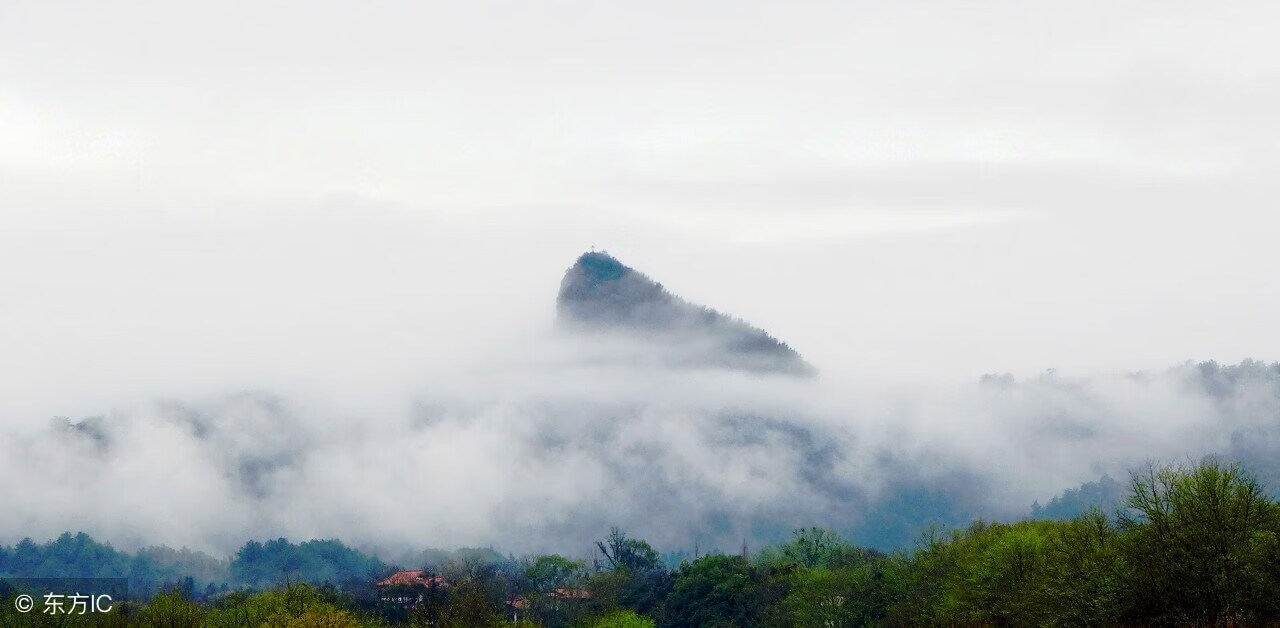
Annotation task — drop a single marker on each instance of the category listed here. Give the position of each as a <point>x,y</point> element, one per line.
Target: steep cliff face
<point>600,293</point>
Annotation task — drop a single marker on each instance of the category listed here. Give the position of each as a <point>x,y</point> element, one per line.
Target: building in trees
<point>409,587</point>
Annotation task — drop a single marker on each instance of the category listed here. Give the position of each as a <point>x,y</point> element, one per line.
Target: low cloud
<point>544,454</point>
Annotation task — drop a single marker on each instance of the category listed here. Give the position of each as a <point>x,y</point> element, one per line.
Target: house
<point>408,587</point>
<point>519,607</point>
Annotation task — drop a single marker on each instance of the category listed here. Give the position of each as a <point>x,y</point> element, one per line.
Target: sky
<point>353,199</point>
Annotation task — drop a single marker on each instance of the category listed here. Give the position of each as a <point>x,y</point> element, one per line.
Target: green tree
<point>468,607</point>
<point>1193,536</point>
<point>277,607</point>
<point>627,554</point>
<point>630,575</point>
<point>1006,581</point>
<point>821,598</point>
<point>917,586</point>
<point>322,618</point>
<point>1086,573</point>
<point>554,571</point>
<point>169,610</point>
<point>815,547</point>
<point>622,619</point>
<point>552,590</point>
<point>716,590</point>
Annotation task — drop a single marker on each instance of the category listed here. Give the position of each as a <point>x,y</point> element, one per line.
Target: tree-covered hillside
<point>1192,545</point>
<point>601,293</point>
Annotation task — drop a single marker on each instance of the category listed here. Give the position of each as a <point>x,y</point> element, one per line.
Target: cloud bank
<point>545,451</point>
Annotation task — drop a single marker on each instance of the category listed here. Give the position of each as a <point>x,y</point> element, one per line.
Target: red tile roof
<point>411,577</point>
<point>568,594</point>
<point>555,594</point>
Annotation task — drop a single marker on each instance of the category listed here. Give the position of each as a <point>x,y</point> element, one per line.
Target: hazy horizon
<point>279,250</point>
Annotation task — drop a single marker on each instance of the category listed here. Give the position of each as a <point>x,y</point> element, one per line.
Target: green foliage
<point>630,575</point>
<point>78,556</point>
<point>821,598</point>
<point>1196,545</point>
<point>11,618</point>
<point>328,618</point>
<point>814,547</point>
<point>1199,538</point>
<point>716,591</point>
<point>469,608</point>
<point>170,610</point>
<point>644,592</point>
<point>627,554</point>
<point>1105,494</point>
<point>554,571</point>
<point>277,607</point>
<point>551,590</point>
<point>1086,572</point>
<point>262,565</point>
<point>1007,578</point>
<point>849,593</point>
<point>621,619</point>
<point>600,292</point>
<point>155,569</point>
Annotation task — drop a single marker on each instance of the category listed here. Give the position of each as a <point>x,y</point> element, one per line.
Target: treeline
<point>195,574</point>
<point>1194,545</point>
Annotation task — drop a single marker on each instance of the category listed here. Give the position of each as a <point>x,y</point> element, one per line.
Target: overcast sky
<point>205,195</point>
<point>360,212</point>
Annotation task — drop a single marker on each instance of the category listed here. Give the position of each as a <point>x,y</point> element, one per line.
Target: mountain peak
<point>600,266</point>
<point>600,293</point>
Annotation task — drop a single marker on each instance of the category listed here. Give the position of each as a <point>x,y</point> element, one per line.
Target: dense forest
<point>1195,544</point>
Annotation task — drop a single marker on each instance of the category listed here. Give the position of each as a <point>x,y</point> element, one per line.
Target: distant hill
<point>600,293</point>
<point>1106,495</point>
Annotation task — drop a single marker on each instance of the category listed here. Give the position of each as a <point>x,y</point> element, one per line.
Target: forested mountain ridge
<point>1189,545</point>
<point>600,293</point>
